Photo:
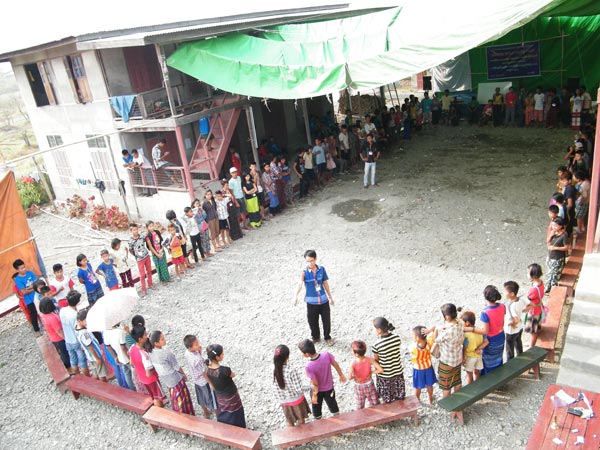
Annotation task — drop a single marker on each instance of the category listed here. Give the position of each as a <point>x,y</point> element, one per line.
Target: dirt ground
<point>456,209</point>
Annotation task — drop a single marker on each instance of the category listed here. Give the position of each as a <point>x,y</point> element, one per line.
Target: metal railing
<point>169,178</point>
<point>154,104</point>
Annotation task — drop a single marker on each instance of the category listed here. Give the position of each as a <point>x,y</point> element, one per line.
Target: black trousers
<point>304,184</point>
<point>34,316</point>
<point>196,245</point>
<point>312,314</point>
<point>513,342</point>
<point>329,397</point>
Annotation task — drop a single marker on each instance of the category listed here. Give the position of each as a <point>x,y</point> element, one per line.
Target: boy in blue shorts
<point>68,319</point>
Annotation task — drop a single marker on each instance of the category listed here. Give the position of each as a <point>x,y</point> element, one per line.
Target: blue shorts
<point>77,356</point>
<point>423,378</point>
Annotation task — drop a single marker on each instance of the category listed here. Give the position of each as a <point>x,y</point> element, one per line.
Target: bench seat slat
<point>549,333</point>
<point>346,422</point>
<point>57,369</point>
<point>109,393</point>
<point>199,427</point>
<point>478,389</point>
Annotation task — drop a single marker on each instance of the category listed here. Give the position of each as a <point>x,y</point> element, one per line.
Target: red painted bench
<point>57,369</point>
<point>109,393</point>
<point>346,422</point>
<point>543,433</point>
<point>549,333</point>
<point>199,427</point>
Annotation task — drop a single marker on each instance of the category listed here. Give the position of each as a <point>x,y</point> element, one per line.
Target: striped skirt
<point>161,268</point>
<point>448,376</point>
<point>231,410</point>
<point>492,354</point>
<point>181,400</point>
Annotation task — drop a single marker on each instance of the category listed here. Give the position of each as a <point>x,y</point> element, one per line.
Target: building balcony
<point>150,109</point>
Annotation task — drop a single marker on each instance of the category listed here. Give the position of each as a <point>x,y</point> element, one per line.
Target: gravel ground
<point>456,209</point>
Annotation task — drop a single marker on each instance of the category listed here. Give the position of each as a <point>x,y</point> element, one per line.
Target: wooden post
<point>121,188</point>
<point>306,122</point>
<point>165,73</point>
<point>45,183</point>
<point>184,162</point>
<point>396,91</point>
<point>593,206</point>
<point>252,132</point>
<point>349,105</point>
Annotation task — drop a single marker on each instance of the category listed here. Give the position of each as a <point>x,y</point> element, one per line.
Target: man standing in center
<point>318,297</point>
<point>369,154</point>
<point>235,184</point>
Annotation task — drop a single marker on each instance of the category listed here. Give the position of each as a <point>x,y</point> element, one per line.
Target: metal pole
<point>306,123</point>
<point>165,73</point>
<point>184,162</point>
<point>45,183</point>
<point>252,131</point>
<point>121,189</point>
<point>595,182</point>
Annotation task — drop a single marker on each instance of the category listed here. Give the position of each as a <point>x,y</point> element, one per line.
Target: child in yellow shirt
<point>474,344</point>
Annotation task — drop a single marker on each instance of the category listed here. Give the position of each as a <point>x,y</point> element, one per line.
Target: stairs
<point>210,151</point>
<point>580,360</point>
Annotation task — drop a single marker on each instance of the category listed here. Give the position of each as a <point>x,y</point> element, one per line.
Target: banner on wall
<point>513,60</point>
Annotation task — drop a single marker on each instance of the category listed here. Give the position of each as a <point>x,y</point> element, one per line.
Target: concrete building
<point>93,95</point>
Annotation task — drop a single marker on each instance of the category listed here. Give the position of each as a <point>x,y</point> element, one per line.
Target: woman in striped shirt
<point>386,351</point>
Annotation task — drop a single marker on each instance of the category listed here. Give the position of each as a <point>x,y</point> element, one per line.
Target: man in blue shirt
<point>235,184</point>
<point>24,282</point>
<point>127,159</point>
<point>318,297</point>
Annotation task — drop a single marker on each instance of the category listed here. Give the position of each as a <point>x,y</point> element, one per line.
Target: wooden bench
<point>207,429</point>
<point>346,422</point>
<point>543,434</point>
<point>109,393</point>
<point>547,337</point>
<point>570,272</point>
<point>51,357</point>
<point>489,382</point>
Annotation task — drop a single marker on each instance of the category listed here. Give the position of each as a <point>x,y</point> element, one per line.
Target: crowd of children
<point>144,363</point>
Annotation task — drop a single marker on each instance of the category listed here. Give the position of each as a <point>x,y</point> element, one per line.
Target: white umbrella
<point>114,307</point>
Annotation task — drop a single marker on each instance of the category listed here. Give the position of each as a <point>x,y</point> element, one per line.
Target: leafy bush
<point>31,192</point>
<point>102,217</point>
<point>77,206</point>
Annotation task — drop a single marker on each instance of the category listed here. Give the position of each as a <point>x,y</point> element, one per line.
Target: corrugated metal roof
<point>123,22</point>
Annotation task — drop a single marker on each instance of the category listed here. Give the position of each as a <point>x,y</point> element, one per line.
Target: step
<point>578,379</point>
<point>581,357</point>
<point>583,334</point>
<point>588,286</point>
<point>585,312</point>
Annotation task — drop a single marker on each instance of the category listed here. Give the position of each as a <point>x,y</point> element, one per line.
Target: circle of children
<point>142,361</point>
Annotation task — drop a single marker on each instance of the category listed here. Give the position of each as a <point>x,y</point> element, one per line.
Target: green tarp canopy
<point>358,53</point>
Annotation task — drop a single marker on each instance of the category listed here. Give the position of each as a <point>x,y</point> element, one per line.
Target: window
<point>103,168</point>
<point>61,161</point>
<point>95,142</point>
<point>77,78</point>
<point>40,82</point>
<point>54,141</point>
